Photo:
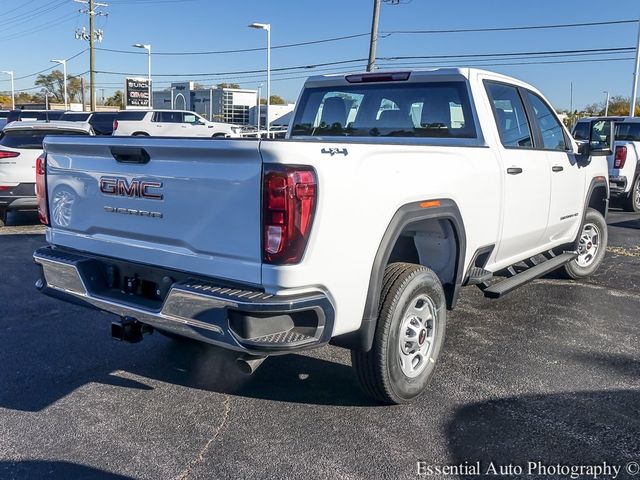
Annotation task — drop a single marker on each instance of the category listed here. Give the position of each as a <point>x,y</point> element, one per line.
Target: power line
<point>236,72</point>
<point>240,50</point>
<point>508,29</point>
<point>388,59</point>
<point>508,54</point>
<point>386,33</point>
<point>46,69</point>
<point>551,62</point>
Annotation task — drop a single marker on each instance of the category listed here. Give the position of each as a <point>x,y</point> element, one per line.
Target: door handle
<point>557,168</point>
<point>514,170</point>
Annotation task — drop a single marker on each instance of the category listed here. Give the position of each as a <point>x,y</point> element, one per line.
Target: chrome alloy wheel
<point>417,334</point>
<point>588,245</point>
<point>636,195</point>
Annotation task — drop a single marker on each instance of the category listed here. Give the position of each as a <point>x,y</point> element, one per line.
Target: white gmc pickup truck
<point>390,193</point>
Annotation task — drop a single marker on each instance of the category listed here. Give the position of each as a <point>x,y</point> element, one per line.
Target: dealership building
<point>230,105</point>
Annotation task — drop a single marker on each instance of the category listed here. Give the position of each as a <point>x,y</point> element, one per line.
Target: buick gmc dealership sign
<point>136,93</point>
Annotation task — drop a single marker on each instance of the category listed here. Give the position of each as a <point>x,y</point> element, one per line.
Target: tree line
<point>52,85</point>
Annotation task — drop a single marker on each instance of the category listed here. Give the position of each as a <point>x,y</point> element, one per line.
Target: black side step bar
<point>499,289</point>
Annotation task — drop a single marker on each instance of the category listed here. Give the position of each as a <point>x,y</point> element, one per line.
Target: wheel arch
<point>598,196</point>
<point>435,226</point>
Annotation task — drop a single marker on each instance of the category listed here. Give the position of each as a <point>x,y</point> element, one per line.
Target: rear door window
<point>31,139</point>
<point>432,110</point>
<point>168,117</point>
<point>551,131</point>
<point>510,116</point>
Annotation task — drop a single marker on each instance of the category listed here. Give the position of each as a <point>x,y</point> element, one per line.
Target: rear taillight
<point>115,125</point>
<point>41,188</point>
<point>6,154</point>
<point>288,207</point>
<point>621,156</point>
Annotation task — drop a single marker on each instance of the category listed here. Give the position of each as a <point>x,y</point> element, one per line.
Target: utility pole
<point>92,66</point>
<point>374,36</point>
<point>91,37</point>
<point>634,90</point>
<point>606,104</point>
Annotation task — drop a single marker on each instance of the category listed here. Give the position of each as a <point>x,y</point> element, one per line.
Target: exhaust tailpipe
<point>249,364</point>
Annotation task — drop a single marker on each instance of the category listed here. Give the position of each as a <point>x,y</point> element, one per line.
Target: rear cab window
<point>31,139</point>
<point>428,110</point>
<point>627,132</point>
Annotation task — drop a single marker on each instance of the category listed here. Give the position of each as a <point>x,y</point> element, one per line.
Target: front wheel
<point>592,245</point>
<point>408,338</point>
<point>632,202</point>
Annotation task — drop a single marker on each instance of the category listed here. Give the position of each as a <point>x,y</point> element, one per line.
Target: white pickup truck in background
<point>624,162</point>
<point>390,193</point>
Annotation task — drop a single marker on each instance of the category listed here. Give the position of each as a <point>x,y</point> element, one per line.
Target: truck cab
<point>391,192</point>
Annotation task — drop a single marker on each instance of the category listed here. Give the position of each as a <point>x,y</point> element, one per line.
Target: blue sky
<point>34,31</point>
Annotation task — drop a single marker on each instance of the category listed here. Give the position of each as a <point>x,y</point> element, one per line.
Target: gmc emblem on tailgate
<point>135,188</point>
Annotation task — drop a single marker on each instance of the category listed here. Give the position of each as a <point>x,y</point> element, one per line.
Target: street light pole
<point>13,89</point>
<point>259,119</point>
<point>64,73</point>
<point>267,27</point>
<point>606,108</point>
<point>634,90</point>
<point>147,47</point>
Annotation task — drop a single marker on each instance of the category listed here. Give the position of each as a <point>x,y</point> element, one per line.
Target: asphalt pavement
<point>548,374</point>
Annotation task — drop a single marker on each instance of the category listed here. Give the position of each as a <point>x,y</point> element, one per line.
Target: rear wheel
<point>592,245</point>
<point>3,218</point>
<point>632,202</point>
<point>408,338</point>
<point>218,135</point>
<point>140,134</point>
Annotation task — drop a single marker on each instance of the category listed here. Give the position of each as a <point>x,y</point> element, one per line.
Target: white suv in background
<point>20,146</point>
<point>171,123</point>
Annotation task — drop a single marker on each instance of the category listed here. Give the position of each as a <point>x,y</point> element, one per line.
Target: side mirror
<point>601,137</point>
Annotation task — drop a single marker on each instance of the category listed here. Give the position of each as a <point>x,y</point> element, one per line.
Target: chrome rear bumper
<point>245,320</point>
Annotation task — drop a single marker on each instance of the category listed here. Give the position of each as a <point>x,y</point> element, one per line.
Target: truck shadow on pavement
<point>29,469</point>
<point>303,379</point>
<point>573,428</point>
<point>297,378</point>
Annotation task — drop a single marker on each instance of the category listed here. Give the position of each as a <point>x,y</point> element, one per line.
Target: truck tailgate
<point>184,204</point>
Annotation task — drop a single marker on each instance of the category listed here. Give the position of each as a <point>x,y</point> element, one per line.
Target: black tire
<point>218,135</point>
<point>631,203</point>
<point>3,218</point>
<point>593,220</point>
<point>379,371</point>
<point>140,134</point>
